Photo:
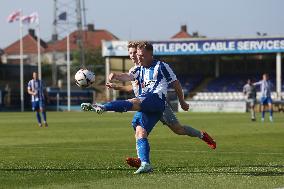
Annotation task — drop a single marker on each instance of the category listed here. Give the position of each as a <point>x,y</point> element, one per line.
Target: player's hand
<point>111,85</point>
<point>184,105</point>
<point>111,76</point>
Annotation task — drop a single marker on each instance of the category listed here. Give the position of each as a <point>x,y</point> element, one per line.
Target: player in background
<point>250,93</point>
<point>168,118</point>
<point>265,97</point>
<point>36,90</point>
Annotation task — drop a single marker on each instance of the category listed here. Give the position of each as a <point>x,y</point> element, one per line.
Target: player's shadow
<point>64,169</point>
<point>246,170</point>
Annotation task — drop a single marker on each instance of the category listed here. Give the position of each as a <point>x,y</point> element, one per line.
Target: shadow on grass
<point>246,170</point>
<point>66,169</point>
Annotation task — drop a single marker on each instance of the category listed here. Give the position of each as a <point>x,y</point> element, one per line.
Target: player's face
<point>34,75</point>
<point>265,77</point>
<point>145,57</point>
<point>133,54</point>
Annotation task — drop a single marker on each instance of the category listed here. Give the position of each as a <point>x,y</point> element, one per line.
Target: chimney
<point>32,32</point>
<point>91,27</point>
<point>183,28</point>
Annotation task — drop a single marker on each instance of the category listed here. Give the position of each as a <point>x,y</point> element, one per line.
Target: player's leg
<point>135,161</point>
<point>43,112</point>
<point>262,103</point>
<point>270,109</point>
<point>169,118</point>
<point>144,104</point>
<point>146,123</point>
<point>117,106</point>
<point>35,106</point>
<point>252,112</point>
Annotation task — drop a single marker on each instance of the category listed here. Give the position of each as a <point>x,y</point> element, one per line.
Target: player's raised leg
<point>143,103</point>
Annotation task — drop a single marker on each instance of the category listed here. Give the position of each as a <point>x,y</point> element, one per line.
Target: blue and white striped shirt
<point>265,87</point>
<point>38,87</point>
<point>135,84</point>
<point>154,79</point>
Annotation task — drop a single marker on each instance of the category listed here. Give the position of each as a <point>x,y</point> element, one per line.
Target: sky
<point>158,19</point>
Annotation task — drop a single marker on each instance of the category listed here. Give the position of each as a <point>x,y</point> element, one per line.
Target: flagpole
<point>21,63</point>
<point>38,50</point>
<point>68,74</point>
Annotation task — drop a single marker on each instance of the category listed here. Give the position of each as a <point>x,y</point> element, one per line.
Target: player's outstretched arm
<point>177,86</point>
<point>257,83</point>
<point>121,77</point>
<point>114,86</point>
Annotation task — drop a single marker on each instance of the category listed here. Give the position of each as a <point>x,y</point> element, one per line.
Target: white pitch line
<point>155,150</point>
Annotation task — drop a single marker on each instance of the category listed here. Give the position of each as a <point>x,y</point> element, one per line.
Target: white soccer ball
<point>84,78</point>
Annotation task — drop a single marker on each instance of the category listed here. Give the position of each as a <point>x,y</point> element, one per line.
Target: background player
<point>250,93</point>
<point>36,90</point>
<point>265,98</point>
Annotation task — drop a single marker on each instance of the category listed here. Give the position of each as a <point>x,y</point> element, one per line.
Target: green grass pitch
<point>86,150</point>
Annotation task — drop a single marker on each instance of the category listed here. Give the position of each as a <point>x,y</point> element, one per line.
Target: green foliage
<point>93,61</point>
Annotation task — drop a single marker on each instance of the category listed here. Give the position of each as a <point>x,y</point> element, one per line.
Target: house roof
<point>29,45</point>
<point>91,39</point>
<point>182,33</point>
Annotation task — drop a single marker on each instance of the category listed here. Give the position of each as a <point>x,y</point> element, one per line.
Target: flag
<point>30,19</point>
<point>14,16</point>
<point>34,18</point>
<point>26,19</point>
<point>62,16</point>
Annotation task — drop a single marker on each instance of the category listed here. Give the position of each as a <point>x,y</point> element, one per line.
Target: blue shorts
<point>146,120</point>
<point>152,103</point>
<point>36,105</point>
<point>265,100</point>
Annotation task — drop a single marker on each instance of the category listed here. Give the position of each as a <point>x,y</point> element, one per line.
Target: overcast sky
<point>159,19</point>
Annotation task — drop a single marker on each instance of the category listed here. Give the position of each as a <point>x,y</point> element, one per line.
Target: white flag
<point>34,18</point>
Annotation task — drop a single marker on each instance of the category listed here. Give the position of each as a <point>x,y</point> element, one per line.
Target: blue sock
<point>118,106</point>
<point>44,116</point>
<point>38,117</point>
<point>263,113</point>
<point>143,149</point>
<point>271,112</point>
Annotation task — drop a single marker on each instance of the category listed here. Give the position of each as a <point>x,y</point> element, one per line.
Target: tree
<point>93,61</point>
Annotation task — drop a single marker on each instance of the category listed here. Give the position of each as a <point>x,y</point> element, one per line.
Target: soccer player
<point>36,90</point>
<point>168,118</point>
<point>153,79</point>
<point>265,90</point>
<point>250,93</point>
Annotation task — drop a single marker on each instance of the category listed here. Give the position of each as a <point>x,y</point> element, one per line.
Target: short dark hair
<point>145,45</point>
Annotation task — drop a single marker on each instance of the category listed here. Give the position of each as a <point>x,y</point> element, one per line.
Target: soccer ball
<point>84,78</point>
